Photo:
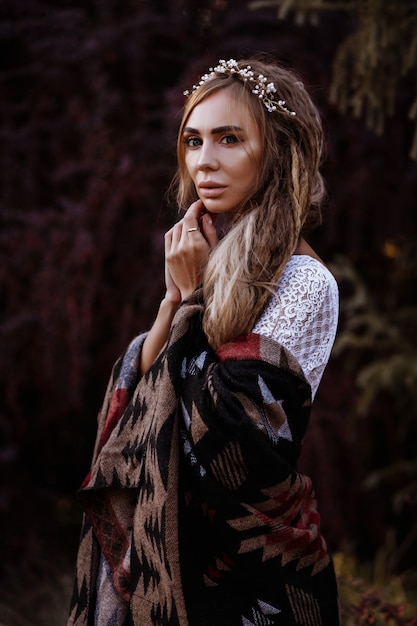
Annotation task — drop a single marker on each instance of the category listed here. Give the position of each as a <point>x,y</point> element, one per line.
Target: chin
<point>216,207</point>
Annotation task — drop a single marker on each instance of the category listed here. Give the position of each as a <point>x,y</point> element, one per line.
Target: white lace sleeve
<point>304,314</point>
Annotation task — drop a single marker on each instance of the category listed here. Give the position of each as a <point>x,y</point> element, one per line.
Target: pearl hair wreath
<point>261,88</point>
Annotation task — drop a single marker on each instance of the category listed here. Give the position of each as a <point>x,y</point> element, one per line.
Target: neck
<point>304,248</point>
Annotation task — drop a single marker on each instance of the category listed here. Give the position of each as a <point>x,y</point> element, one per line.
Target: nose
<point>207,159</point>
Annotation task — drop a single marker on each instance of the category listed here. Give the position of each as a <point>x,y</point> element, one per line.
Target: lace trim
<point>303,315</point>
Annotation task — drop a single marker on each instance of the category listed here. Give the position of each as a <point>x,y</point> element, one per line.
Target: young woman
<point>195,512</point>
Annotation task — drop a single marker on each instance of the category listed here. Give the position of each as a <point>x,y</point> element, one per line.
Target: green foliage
<point>369,594</point>
<point>383,329</point>
<point>387,329</point>
<point>377,345</point>
<point>373,59</point>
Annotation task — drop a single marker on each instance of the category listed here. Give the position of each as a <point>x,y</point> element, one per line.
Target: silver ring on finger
<point>191,230</point>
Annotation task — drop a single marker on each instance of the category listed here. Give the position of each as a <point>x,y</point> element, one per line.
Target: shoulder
<point>306,295</point>
<point>303,314</point>
<point>305,275</point>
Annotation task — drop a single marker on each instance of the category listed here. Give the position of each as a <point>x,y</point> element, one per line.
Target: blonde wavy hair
<point>243,269</point>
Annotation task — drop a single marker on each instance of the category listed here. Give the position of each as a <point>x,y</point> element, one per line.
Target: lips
<point>210,189</point>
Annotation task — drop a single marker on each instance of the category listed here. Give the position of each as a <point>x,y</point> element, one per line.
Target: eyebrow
<point>214,131</point>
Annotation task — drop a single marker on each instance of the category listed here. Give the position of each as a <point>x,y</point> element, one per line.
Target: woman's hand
<point>187,248</point>
<point>186,254</point>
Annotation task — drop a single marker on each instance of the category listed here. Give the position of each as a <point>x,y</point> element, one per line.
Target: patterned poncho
<point>194,506</point>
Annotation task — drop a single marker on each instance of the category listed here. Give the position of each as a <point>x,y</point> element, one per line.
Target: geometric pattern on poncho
<point>194,500</point>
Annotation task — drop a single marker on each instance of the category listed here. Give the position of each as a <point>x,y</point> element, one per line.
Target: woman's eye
<point>192,142</point>
<point>227,139</point>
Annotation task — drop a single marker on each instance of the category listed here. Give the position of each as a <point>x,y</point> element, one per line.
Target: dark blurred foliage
<point>90,99</point>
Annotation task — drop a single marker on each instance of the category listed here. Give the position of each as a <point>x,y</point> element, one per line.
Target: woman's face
<point>223,149</point>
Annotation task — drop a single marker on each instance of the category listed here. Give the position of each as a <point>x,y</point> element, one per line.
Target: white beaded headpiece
<point>260,86</point>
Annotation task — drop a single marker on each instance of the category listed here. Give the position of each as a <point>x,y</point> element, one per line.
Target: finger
<point>193,213</point>
<point>172,239</point>
<point>177,233</point>
<point>209,230</point>
<point>168,240</point>
<point>192,230</point>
